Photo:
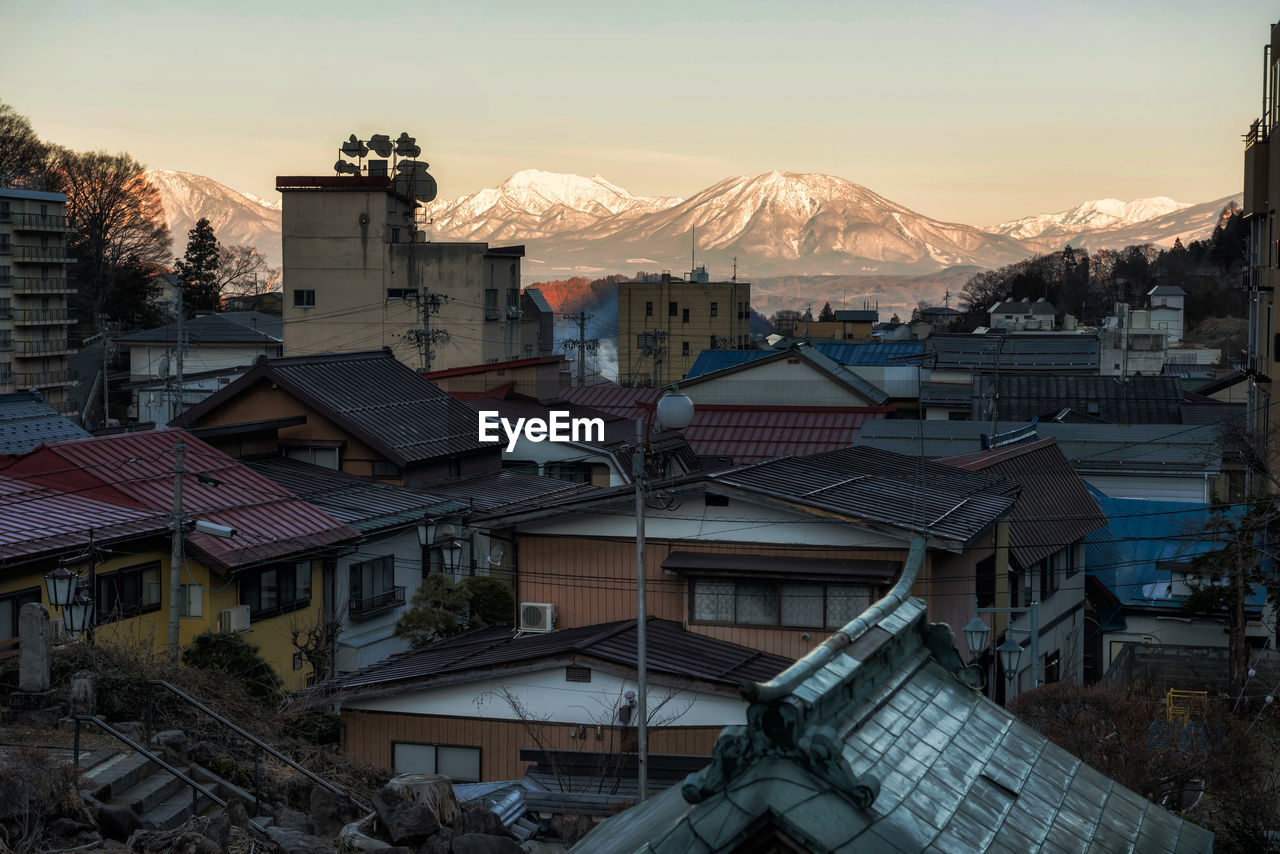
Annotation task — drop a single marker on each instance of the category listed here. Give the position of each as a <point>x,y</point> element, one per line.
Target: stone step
<point>176,809</point>
<point>151,791</point>
<point>118,774</point>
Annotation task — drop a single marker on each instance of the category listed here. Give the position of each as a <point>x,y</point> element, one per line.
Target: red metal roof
<point>135,470</point>
<point>38,521</point>
<point>492,366</point>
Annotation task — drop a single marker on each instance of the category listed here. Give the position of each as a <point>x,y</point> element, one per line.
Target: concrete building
<point>663,326</point>
<point>849,325</point>
<point>1166,310</point>
<point>1261,199</point>
<point>361,275</point>
<point>1018,315</point>
<point>33,295</point>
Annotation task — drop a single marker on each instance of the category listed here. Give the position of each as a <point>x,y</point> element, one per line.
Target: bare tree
<point>22,154</point>
<point>316,640</point>
<point>243,271</point>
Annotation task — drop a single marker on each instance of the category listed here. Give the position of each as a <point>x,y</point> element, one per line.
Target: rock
<point>175,740</point>
<point>331,812</point>
<point>441,843</point>
<point>236,813</point>
<point>480,843</point>
<point>117,822</point>
<point>431,789</point>
<point>295,820</point>
<point>131,729</point>
<point>84,693</point>
<point>297,792</point>
<point>288,841</point>
<point>479,819</point>
<point>204,753</point>
<point>217,829</point>
<point>357,836</point>
<point>401,819</point>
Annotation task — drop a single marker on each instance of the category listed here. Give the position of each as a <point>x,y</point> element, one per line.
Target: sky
<point>972,112</point>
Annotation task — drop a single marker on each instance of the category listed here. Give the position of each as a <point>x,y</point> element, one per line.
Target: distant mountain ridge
<point>775,224</point>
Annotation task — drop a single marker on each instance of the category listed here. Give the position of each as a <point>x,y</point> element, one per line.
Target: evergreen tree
<point>826,313</point>
<point>198,269</point>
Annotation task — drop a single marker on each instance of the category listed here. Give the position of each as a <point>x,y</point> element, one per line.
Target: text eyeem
<point>560,427</point>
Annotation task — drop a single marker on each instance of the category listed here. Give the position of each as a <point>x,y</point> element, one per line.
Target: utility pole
<point>426,337</point>
<point>642,705</point>
<point>178,351</point>
<point>106,350</point>
<point>582,345</point>
<point>175,553</point>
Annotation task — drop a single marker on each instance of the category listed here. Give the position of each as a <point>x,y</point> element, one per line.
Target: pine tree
<point>198,269</point>
<point>826,313</point>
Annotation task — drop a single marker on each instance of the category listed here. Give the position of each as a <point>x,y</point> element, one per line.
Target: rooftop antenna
<point>946,299</point>
<point>693,249</point>
<point>735,268</point>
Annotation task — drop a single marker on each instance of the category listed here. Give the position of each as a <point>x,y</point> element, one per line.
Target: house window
<point>128,592</point>
<point>395,235</point>
<point>10,605</point>
<point>648,309</point>
<point>382,468</point>
<point>715,309</point>
<point>1015,589</point>
<point>401,293</point>
<point>572,472</point>
<point>985,586</point>
<point>4,276</point>
<point>460,764</point>
<point>325,456</point>
<point>304,298</point>
<point>373,587</point>
<point>684,348</point>
<point>1067,560</point>
<point>5,212</point>
<point>770,603</point>
<point>1049,575</point>
<point>1052,666</point>
<point>685,317</point>
<point>673,309</point>
<point>276,590</point>
<point>191,601</point>
<point>491,304</point>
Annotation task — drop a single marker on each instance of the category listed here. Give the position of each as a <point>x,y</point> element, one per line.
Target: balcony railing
<point>378,603</point>
<point>41,348</point>
<point>41,222</point>
<point>38,316</point>
<point>41,254</point>
<point>44,379</point>
<point>45,285</point>
<point>1257,133</point>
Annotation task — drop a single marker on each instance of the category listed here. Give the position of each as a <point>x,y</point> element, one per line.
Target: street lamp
<point>78,614</point>
<point>975,637</point>
<point>674,412</point>
<point>61,585</point>
<point>1009,651</point>
<point>451,550</point>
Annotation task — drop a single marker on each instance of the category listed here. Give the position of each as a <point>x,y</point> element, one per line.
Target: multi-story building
<point>34,286</point>
<point>362,275</point>
<point>663,326</point>
<point>1262,268</point>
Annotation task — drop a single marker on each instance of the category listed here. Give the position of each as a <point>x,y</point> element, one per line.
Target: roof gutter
<point>788,680</point>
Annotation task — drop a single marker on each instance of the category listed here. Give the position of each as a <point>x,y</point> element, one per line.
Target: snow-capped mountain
<point>533,204</point>
<point>1088,216</point>
<point>237,218</point>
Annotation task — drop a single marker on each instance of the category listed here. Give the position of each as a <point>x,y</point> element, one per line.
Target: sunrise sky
<point>972,112</point>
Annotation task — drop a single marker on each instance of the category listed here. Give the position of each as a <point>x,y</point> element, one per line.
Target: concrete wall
<point>728,324</point>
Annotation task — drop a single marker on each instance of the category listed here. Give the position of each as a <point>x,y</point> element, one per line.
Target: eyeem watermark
<point>559,428</point>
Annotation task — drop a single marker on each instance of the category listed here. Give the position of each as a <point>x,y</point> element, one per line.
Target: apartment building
<point>361,275</point>
<point>1262,271</point>
<point>34,287</point>
<point>663,326</point>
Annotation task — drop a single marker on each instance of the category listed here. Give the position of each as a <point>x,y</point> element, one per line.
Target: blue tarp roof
<point>1126,555</point>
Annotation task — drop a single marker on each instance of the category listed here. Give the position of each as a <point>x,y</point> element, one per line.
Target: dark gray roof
<point>670,649</point>
<point>1137,400</point>
<point>1023,306</point>
<point>1024,353</point>
<point>887,489</point>
<point>539,301</point>
<point>26,421</point>
<point>366,505</point>
<point>1100,448</point>
<point>1166,291</point>
<point>872,744</point>
<point>858,315</point>
<point>868,390</point>
<point>228,327</point>
<point>505,491</point>
<point>382,401</point>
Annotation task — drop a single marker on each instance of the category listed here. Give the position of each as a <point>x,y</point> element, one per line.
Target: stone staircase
<point>129,779</point>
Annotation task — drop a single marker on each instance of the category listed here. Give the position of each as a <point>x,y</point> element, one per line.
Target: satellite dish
<point>496,556</point>
<point>406,146</point>
<point>415,181</point>
<point>354,147</point>
<point>381,144</point>
<point>162,367</point>
<point>343,167</point>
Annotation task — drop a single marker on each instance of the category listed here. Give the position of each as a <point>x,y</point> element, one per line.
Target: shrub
<point>492,602</point>
<point>230,653</point>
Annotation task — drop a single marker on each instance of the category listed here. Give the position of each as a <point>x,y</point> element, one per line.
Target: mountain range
<point>776,224</point>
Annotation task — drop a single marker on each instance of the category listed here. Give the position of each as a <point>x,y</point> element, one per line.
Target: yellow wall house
<point>109,498</point>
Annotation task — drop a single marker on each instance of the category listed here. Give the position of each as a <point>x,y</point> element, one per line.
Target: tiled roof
<point>228,327</point>
<point>382,401</point>
<point>364,504</point>
<point>876,486</point>
<point>670,650</point>
<point>135,470</point>
<point>39,520</point>
<point>620,400</point>
<point>748,434</point>
<point>1139,400</point>
<point>870,743</point>
<point>1054,507</point>
<point>1090,447</point>
<point>838,372</point>
<point>1024,353</point>
<point>1166,291</point>
<point>26,421</point>
<point>494,493</point>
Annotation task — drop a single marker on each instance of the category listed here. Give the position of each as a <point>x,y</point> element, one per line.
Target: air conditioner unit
<point>513,313</point>
<point>234,619</point>
<point>537,617</point>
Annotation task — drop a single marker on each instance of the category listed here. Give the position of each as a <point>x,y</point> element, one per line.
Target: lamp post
<point>976,633</point>
<point>674,412</point>
<point>73,594</point>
